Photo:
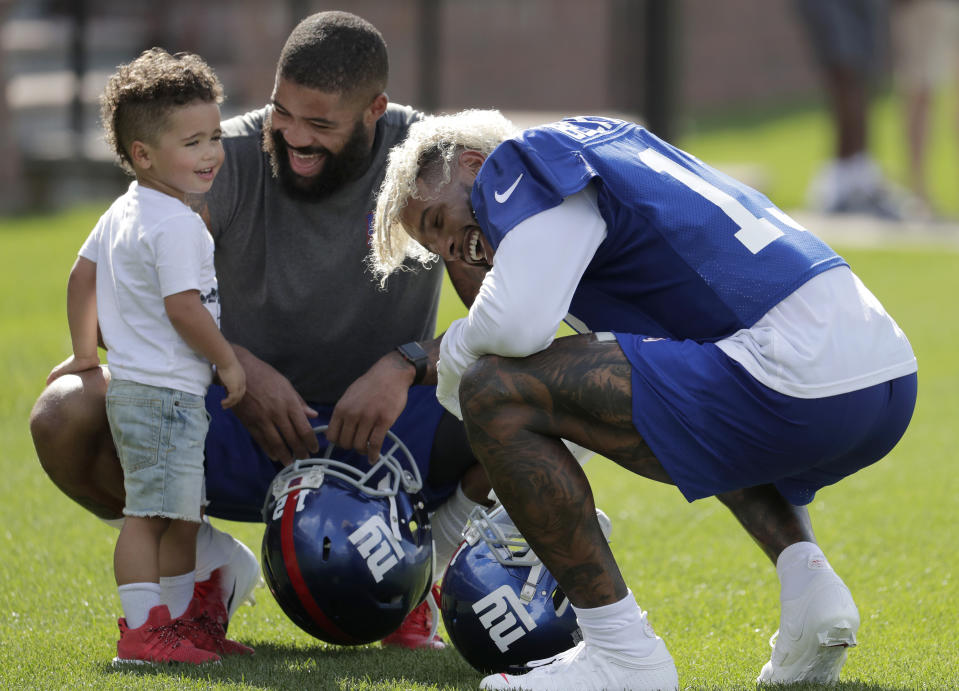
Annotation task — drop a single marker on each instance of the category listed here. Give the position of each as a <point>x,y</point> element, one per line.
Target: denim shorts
<point>159,435</point>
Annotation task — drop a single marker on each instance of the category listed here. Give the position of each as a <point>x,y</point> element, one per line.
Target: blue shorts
<point>239,473</point>
<point>846,33</point>
<point>714,428</point>
<point>158,434</point>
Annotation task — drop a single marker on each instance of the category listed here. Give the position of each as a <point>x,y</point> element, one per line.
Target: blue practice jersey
<point>689,251</point>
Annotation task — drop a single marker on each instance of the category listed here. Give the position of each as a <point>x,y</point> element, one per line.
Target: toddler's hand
<point>72,365</point>
<point>234,379</point>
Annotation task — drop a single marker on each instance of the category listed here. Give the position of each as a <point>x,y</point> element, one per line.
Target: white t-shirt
<point>149,245</point>
<point>830,336</point>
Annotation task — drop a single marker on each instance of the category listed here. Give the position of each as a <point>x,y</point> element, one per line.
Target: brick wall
<point>737,51</point>
<point>521,56</point>
<point>554,55</point>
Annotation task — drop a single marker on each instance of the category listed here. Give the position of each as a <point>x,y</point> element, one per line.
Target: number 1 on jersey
<point>754,233</point>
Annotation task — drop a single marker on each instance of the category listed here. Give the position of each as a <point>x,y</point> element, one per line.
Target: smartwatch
<point>415,355</point>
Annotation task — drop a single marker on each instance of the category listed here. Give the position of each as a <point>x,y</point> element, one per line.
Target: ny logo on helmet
<point>501,623</point>
<point>375,543</point>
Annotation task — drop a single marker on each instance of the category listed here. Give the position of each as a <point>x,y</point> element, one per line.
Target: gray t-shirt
<point>294,287</point>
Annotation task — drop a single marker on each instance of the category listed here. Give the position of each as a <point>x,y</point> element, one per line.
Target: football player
<point>723,349</point>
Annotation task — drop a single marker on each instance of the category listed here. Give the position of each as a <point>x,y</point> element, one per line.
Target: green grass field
<point>890,531</point>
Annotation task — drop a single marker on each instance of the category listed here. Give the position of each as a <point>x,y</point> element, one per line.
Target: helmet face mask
<point>501,607</point>
<point>347,551</point>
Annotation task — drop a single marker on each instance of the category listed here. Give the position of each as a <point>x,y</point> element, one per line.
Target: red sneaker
<point>206,632</point>
<point>208,599</point>
<point>232,584</point>
<point>418,630</point>
<point>157,641</point>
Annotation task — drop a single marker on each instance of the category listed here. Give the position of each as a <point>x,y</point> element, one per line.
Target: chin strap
<point>394,513</point>
<point>528,591</point>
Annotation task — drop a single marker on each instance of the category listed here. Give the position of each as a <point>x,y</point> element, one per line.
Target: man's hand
<point>273,412</point>
<point>371,405</point>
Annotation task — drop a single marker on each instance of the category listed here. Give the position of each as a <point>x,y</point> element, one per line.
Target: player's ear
<point>472,160</point>
<point>140,154</point>
<point>376,108</point>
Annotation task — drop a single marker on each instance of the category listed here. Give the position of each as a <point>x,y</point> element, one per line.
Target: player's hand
<point>234,379</point>
<point>371,405</point>
<point>273,412</point>
<point>72,365</point>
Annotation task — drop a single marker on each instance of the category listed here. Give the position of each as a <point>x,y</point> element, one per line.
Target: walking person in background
<point>846,37</point>
<point>926,55</point>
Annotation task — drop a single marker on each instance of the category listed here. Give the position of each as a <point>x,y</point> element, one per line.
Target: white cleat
<point>231,583</point>
<point>586,668</point>
<point>240,577</point>
<point>815,632</point>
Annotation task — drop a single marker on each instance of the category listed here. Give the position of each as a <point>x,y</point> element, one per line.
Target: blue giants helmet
<point>348,551</point>
<point>500,605</point>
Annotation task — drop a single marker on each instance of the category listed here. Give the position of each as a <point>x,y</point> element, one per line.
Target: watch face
<point>415,354</point>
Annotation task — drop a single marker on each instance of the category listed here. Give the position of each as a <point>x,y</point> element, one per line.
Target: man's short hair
<point>336,52</point>
<point>140,95</point>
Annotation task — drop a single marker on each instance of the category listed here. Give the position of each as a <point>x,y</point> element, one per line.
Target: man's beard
<point>338,169</point>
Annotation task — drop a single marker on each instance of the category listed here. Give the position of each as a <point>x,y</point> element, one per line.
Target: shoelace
<point>204,624</point>
<point>167,635</point>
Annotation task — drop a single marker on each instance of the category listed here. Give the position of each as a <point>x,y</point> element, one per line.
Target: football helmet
<point>501,607</point>
<point>348,551</point>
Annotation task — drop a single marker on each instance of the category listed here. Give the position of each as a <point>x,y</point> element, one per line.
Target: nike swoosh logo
<point>501,197</point>
<point>232,595</point>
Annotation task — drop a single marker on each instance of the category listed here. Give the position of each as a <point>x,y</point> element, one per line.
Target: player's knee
<point>66,414</point>
<point>45,427</point>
